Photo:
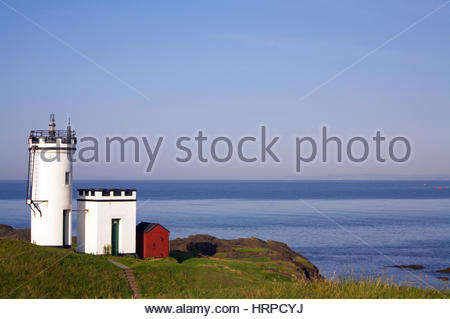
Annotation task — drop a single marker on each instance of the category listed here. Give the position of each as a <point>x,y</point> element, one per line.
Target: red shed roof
<point>144,227</point>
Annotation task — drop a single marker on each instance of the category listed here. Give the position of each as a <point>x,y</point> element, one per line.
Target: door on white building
<point>115,237</point>
<point>66,228</point>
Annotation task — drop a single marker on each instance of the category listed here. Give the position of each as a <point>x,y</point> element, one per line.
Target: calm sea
<point>343,227</point>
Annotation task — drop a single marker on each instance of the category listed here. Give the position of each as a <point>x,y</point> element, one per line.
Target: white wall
<point>52,194</point>
<point>87,227</point>
<point>94,226</point>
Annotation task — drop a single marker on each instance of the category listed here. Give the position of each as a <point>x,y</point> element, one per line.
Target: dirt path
<point>130,278</point>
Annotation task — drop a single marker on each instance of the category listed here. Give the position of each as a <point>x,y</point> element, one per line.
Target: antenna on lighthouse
<point>51,125</point>
<point>69,131</point>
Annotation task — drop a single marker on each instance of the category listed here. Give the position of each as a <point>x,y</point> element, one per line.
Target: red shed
<point>152,240</point>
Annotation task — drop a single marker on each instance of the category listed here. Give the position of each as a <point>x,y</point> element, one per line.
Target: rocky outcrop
<point>7,231</point>
<point>205,245</point>
<point>410,266</point>
<point>446,270</point>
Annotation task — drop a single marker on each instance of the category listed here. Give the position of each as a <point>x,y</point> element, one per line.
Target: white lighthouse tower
<point>49,190</point>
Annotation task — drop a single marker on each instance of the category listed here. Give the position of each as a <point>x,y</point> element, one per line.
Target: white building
<point>49,188</point>
<point>106,221</point>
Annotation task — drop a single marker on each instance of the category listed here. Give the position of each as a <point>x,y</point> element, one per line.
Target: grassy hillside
<point>251,278</point>
<point>28,271</point>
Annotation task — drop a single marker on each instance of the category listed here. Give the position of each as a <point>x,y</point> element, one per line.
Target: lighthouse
<point>49,188</point>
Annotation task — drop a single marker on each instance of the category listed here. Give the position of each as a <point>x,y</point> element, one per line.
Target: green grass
<point>251,250</point>
<point>29,271</point>
<point>258,278</point>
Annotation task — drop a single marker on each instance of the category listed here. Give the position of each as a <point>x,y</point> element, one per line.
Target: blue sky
<point>172,68</point>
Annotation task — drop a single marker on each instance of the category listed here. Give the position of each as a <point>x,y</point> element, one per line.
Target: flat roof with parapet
<point>106,189</point>
<point>106,192</point>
